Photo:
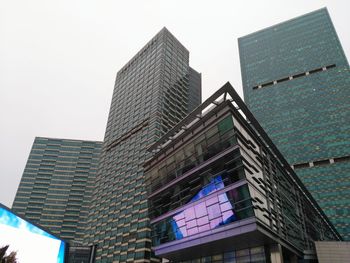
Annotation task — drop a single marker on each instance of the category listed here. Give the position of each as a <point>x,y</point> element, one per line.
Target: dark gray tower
<point>152,93</point>
<point>195,89</point>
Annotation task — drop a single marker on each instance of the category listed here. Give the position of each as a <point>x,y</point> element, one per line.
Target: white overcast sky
<point>58,59</point>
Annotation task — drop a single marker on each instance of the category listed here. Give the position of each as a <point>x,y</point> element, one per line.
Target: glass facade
<point>57,184</point>
<point>205,146</point>
<point>152,93</point>
<point>296,82</point>
<point>230,171</point>
<point>217,174</point>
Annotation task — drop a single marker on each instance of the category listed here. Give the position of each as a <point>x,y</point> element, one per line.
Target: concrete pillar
<point>276,254</point>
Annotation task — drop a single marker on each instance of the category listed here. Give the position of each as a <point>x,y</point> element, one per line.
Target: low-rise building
<point>220,191</point>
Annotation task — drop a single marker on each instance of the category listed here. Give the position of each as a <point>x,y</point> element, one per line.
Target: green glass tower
<point>57,184</point>
<point>296,82</point>
<point>152,93</point>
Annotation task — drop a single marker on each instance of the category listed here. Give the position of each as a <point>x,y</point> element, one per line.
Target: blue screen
<point>31,243</point>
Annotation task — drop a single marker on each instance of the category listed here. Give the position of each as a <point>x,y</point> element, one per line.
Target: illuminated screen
<point>31,243</point>
<point>206,215</point>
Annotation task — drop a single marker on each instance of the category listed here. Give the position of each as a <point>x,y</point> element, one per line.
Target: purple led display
<point>205,215</point>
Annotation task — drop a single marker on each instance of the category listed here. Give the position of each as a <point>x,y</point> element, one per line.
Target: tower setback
<point>152,93</point>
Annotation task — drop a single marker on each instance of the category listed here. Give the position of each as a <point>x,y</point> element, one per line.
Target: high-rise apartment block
<point>152,93</point>
<point>220,191</point>
<point>296,81</point>
<point>57,184</point>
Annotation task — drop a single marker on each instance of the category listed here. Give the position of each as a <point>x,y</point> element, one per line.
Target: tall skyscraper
<point>152,93</point>
<point>296,82</point>
<point>57,184</point>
